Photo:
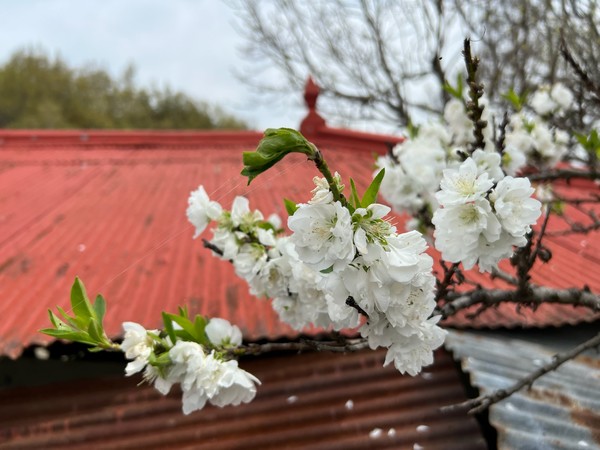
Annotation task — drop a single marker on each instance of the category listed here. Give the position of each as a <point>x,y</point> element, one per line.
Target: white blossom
<point>241,214</point>
<point>221,332</point>
<point>206,378</point>
<point>323,235</point>
<point>458,122</point>
<point>514,206</point>
<point>488,162</point>
<point>321,192</point>
<point>542,103</point>
<point>137,345</point>
<point>201,210</point>
<point>562,96</point>
<point>463,185</point>
<point>458,230</point>
<point>413,347</point>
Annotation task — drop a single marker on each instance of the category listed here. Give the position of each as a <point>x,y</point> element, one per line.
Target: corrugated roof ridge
<point>148,139</point>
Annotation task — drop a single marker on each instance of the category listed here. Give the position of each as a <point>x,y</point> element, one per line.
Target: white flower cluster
<point>479,214</point>
<point>415,168</point>
<point>532,140</point>
<point>205,374</point>
<point>552,99</point>
<point>482,217</point>
<point>339,261</point>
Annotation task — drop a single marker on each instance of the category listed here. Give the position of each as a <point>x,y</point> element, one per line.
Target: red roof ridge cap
<point>45,138</point>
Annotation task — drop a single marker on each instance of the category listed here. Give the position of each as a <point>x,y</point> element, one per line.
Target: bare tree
<point>527,43</point>
<point>378,60</point>
<point>387,60</point>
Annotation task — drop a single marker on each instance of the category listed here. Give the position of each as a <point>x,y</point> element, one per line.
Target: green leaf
<point>328,270</point>
<point>183,312</point>
<point>161,360</point>
<point>189,331</point>
<point>516,100</point>
<point>169,327</point>
<point>95,332</point>
<point>200,323</point>
<point>56,322</point>
<point>95,349</point>
<point>290,206</point>
<point>272,148</point>
<point>457,91</point>
<point>77,336</point>
<point>582,139</point>
<point>557,207</point>
<point>100,308</point>
<point>73,322</point>
<point>373,189</point>
<point>79,301</point>
<point>355,199</point>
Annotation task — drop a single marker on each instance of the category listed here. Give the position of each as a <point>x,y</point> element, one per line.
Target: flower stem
<point>317,158</point>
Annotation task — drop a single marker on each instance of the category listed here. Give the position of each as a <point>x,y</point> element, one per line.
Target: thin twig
<point>481,403</point>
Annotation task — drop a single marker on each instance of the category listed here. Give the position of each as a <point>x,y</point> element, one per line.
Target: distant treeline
<point>37,91</point>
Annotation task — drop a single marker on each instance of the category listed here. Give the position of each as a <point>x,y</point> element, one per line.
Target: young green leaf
<point>354,199</point>
<point>516,100</point>
<point>80,303</point>
<point>200,323</point>
<point>168,322</point>
<point>272,148</point>
<point>290,206</point>
<point>188,331</point>
<point>456,92</point>
<point>373,189</point>
<point>100,308</point>
<point>76,336</point>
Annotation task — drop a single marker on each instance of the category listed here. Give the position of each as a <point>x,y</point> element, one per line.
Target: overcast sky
<point>189,45</point>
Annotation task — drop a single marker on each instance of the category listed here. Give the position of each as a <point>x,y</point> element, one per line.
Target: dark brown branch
<point>352,303</point>
<point>209,245</point>
<point>500,143</point>
<point>582,74</point>
<point>481,403</point>
<point>577,228</point>
<point>337,346</point>
<point>537,295</point>
<point>474,109</point>
<point>564,174</point>
<point>442,287</point>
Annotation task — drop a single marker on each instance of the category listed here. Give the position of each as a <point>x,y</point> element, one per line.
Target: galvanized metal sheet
<point>560,411</point>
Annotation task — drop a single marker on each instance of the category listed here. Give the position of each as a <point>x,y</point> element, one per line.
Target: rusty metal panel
<point>560,411</point>
<point>309,401</point>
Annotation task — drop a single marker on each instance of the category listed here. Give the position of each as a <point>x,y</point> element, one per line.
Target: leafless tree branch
<point>481,403</point>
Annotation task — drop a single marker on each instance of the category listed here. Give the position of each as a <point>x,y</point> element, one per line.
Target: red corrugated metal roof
<point>302,403</point>
<point>110,208</point>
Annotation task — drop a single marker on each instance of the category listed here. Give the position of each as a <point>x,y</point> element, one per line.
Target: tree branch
<point>564,174</point>
<point>537,295</point>
<point>339,346</point>
<point>481,403</point>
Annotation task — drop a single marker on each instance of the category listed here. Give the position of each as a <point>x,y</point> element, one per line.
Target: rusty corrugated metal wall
<point>310,401</point>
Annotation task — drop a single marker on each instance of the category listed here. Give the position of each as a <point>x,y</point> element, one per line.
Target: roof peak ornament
<point>313,121</point>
